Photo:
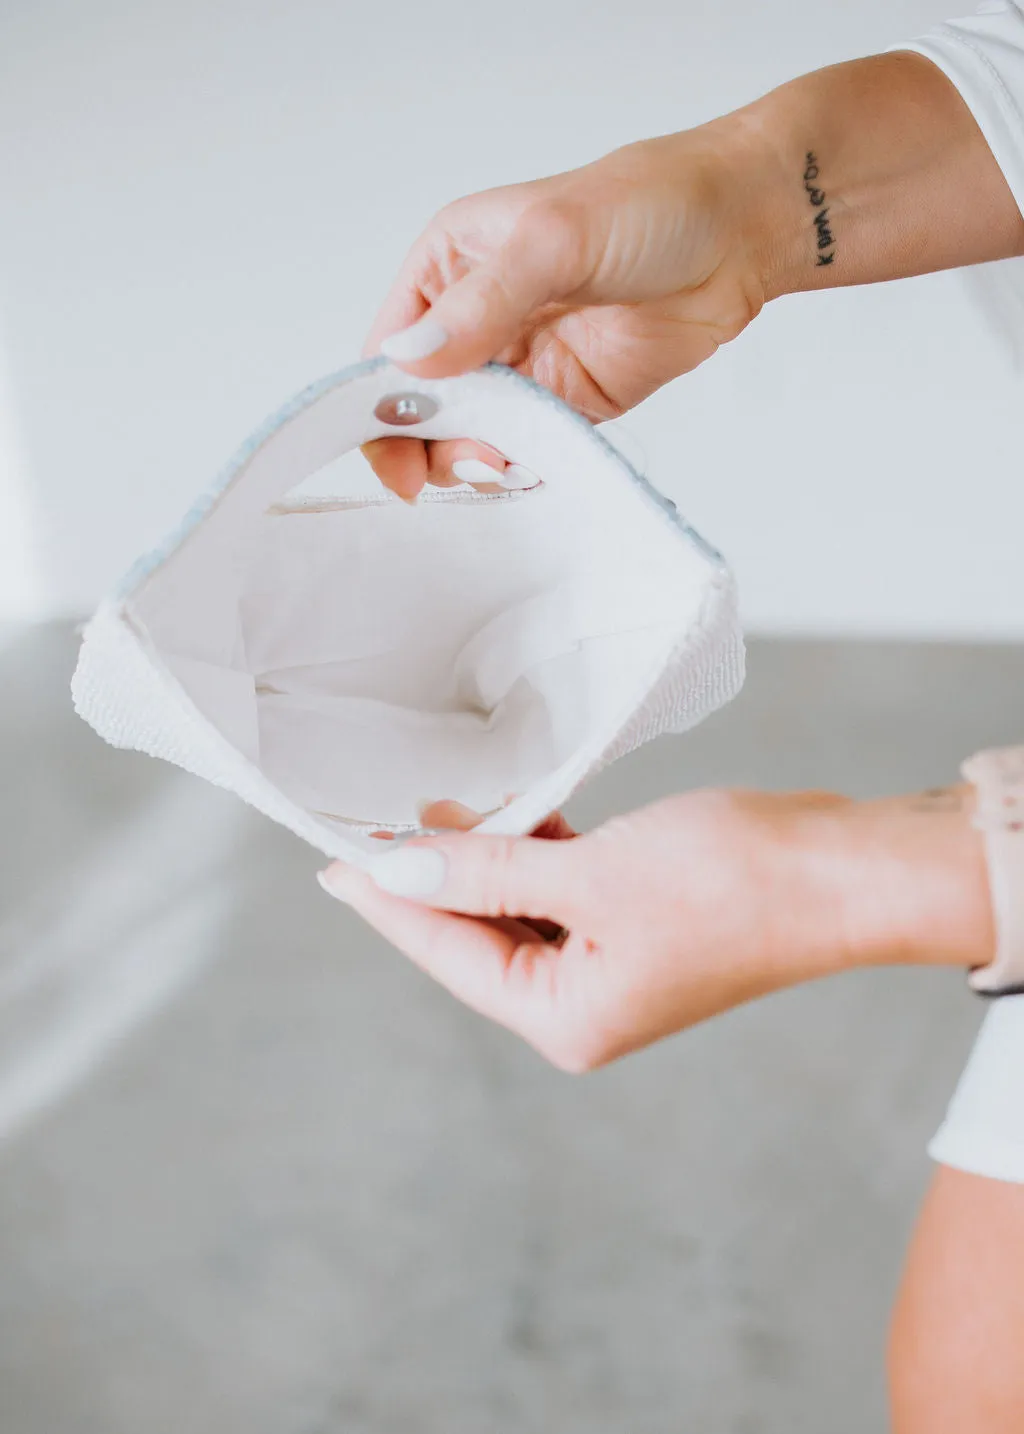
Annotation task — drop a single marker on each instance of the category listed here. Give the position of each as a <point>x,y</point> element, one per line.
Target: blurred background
<point>256,1174</point>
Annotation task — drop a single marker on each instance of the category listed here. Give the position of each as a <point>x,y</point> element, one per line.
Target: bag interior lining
<point>373,656</point>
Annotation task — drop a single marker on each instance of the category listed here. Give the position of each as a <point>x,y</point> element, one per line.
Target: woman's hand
<point>602,284</point>
<point>607,282</point>
<point>592,946</point>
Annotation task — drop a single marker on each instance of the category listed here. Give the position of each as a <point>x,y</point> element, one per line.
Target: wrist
<point>762,221</point>
<point>870,170</point>
<point>909,881</point>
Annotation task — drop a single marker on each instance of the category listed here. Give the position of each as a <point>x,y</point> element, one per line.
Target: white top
<point>984,57</point>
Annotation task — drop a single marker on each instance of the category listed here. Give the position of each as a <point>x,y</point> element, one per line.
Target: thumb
<point>487,311</point>
<point>481,875</point>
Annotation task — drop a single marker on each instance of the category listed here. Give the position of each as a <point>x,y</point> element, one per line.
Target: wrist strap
<point>997,776</point>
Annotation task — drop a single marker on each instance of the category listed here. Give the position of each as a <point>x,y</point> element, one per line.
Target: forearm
<point>908,880</point>
<point>867,171</point>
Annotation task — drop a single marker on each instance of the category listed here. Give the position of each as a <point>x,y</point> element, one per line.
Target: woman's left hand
<point>592,946</point>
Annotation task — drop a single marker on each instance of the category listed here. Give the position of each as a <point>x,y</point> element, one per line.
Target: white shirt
<point>984,57</point>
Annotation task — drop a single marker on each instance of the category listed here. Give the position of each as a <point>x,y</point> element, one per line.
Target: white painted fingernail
<point>471,470</point>
<point>338,881</point>
<point>419,341</point>
<point>515,476</point>
<point>413,871</point>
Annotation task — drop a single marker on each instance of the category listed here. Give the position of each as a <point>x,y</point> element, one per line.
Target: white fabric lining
<point>465,651</point>
<point>358,660</point>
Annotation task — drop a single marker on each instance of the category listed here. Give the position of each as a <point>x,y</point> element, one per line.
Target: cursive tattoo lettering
<point>826,243</point>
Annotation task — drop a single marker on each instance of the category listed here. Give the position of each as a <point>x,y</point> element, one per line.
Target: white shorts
<point>983,1132</point>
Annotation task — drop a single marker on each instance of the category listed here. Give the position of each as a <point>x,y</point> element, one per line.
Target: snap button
<point>401,409</point>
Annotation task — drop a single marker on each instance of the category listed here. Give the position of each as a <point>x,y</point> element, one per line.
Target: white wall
<point>203,202</point>
<point>23,590</point>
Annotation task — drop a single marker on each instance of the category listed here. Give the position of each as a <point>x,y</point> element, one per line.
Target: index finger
<point>405,302</point>
<point>501,971</point>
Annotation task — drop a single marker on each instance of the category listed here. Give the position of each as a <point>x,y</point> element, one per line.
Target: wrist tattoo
<point>938,799</point>
<point>822,224</point>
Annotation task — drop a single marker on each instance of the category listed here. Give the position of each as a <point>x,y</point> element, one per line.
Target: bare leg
<point>956,1351</point>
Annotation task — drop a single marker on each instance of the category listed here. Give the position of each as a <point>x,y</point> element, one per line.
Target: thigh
<point>956,1351</point>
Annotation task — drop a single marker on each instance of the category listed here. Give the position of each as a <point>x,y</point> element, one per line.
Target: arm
<point>609,281</point>
<point>883,158</point>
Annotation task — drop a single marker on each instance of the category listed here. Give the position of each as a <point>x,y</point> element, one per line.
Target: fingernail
<point>419,341</point>
<point>471,470</point>
<point>338,881</point>
<point>413,871</point>
<point>515,476</point>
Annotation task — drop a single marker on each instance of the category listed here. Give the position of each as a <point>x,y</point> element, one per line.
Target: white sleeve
<point>984,58</point>
<point>983,1132</point>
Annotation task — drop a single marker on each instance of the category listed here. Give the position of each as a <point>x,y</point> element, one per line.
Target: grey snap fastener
<point>401,409</point>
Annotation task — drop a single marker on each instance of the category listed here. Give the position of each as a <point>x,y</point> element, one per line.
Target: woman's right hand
<point>602,284</point>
